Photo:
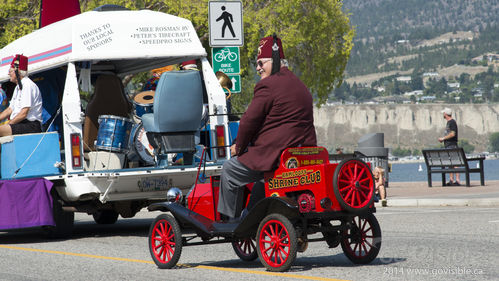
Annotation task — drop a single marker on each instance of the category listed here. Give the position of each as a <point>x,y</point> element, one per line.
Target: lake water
<point>408,172</point>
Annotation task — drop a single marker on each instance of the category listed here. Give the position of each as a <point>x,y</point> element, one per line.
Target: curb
<point>436,202</point>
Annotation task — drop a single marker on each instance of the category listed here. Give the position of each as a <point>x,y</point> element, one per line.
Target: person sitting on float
<point>25,109</point>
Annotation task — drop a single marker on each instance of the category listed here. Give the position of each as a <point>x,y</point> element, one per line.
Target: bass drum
<point>140,149</point>
<point>113,134</point>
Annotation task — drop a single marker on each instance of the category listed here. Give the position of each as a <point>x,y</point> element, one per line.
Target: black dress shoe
<point>244,213</point>
<point>450,183</point>
<point>233,220</point>
<point>456,183</point>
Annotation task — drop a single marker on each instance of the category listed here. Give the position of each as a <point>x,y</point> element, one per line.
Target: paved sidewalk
<point>418,194</point>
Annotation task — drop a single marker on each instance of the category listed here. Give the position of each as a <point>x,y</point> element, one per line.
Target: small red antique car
<point>305,195</point>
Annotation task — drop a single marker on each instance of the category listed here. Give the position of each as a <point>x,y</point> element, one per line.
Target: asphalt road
<point>418,244</point>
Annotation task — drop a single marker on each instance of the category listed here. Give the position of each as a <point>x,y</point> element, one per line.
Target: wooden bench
<point>451,160</point>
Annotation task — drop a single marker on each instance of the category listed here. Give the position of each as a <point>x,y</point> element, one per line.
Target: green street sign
<point>226,59</point>
<point>236,83</point>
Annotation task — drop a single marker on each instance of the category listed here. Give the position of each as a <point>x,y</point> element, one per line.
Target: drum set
<point>124,135</point>
<point>143,103</point>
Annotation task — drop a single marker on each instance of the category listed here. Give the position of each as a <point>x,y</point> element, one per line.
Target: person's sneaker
<point>450,183</point>
<point>456,183</point>
<point>383,202</point>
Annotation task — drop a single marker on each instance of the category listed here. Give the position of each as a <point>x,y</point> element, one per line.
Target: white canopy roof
<point>133,40</point>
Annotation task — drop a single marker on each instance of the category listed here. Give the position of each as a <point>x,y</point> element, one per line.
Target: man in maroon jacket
<point>279,116</point>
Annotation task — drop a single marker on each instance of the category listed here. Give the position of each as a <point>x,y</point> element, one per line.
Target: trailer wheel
<point>353,185</point>
<point>105,216</point>
<point>245,249</point>
<point>165,241</point>
<point>277,242</point>
<point>362,241</point>
<point>64,221</point>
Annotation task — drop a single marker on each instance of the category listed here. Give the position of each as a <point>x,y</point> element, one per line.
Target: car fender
<point>185,216</point>
<point>281,205</point>
<point>161,206</point>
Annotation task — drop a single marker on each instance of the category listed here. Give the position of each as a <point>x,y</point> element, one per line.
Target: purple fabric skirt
<point>25,203</point>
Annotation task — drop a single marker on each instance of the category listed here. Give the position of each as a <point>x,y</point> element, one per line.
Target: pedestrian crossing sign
<point>225,19</point>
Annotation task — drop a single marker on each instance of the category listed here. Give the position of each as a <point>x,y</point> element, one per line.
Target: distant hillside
<point>405,126</point>
<point>420,35</point>
<point>416,19</point>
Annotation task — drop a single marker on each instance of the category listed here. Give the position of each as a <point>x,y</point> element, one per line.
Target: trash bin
<point>371,148</point>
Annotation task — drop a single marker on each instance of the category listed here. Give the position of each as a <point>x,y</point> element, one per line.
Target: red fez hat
<point>265,48</point>
<point>189,63</point>
<point>20,62</point>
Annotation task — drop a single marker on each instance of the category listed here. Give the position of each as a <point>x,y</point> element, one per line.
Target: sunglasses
<point>260,63</point>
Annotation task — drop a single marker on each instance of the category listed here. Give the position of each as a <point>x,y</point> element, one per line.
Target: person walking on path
<point>279,116</point>
<point>450,140</point>
<point>227,17</point>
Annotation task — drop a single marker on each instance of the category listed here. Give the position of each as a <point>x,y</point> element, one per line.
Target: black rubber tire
<point>64,221</point>
<point>292,241</point>
<point>175,241</point>
<point>368,236</point>
<point>366,190</point>
<point>105,216</point>
<point>242,250</point>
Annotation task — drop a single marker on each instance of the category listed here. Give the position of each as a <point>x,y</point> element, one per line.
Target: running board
<point>199,222</point>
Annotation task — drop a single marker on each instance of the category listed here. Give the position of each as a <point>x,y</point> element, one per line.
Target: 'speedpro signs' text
<point>149,35</point>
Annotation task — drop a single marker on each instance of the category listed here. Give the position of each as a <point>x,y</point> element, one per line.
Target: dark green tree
<point>488,87</point>
<point>464,78</point>
<point>494,142</point>
<point>401,152</point>
<point>466,145</point>
<point>417,82</point>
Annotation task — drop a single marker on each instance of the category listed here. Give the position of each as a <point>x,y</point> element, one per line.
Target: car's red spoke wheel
<point>361,241</point>
<point>165,241</point>
<point>245,249</point>
<point>353,185</point>
<point>277,242</point>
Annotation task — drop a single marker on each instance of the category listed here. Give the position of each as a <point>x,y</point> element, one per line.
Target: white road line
<point>412,212</point>
<point>427,210</point>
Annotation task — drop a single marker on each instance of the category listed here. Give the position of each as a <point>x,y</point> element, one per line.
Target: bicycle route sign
<point>226,59</point>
